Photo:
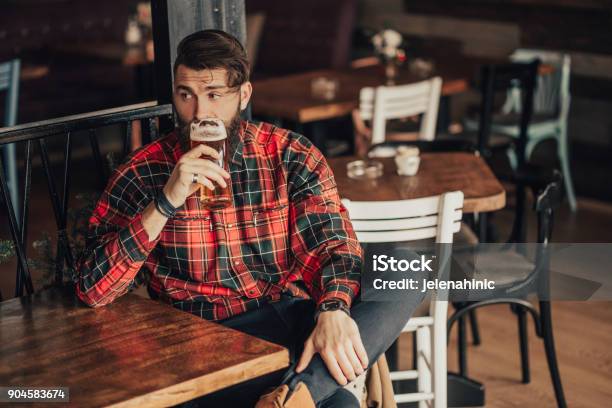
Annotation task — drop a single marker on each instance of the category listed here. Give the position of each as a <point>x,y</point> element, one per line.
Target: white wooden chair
<point>378,105</point>
<point>436,217</point>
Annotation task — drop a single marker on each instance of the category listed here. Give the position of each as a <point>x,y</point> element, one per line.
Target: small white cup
<point>407,160</point>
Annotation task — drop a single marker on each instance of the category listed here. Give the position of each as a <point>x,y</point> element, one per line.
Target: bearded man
<point>282,262</point>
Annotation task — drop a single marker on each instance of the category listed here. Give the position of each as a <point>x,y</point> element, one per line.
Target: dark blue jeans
<point>289,322</point>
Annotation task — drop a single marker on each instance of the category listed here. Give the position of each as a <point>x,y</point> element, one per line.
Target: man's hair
<point>213,49</point>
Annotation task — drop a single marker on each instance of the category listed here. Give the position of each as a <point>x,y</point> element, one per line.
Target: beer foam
<point>208,133</point>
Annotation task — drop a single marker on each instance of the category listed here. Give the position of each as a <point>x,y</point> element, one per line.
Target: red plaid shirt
<point>287,231</point>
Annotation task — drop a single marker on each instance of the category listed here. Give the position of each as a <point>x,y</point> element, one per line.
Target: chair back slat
<point>413,234</point>
<point>407,220</point>
<point>418,207</point>
<point>401,223</point>
<point>384,103</point>
<point>405,108</point>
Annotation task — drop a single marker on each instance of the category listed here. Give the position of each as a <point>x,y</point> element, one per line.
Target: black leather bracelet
<point>164,206</point>
<point>330,306</point>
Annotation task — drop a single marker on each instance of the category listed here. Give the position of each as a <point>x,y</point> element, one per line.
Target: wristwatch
<point>330,306</point>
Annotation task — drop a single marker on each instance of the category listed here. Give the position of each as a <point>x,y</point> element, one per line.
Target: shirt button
<point>236,262</point>
<point>230,225</point>
<point>251,292</point>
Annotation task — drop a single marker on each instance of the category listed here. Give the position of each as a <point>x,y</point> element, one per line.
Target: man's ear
<point>246,90</point>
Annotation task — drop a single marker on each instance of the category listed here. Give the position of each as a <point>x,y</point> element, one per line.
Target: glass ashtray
<point>364,169</point>
<point>324,88</point>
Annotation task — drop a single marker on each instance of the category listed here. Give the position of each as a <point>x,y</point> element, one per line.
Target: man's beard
<point>232,127</point>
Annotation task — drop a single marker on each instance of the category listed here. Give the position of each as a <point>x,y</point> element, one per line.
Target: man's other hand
<point>336,338</point>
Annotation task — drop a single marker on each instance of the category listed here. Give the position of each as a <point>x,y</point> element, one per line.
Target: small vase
<point>391,73</point>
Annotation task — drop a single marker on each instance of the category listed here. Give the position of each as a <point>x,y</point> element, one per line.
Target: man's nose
<point>203,110</point>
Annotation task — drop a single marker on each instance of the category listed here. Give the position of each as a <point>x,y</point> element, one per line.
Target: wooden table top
<point>108,51</point>
<point>438,173</point>
<point>29,72</point>
<point>134,352</point>
<point>290,97</point>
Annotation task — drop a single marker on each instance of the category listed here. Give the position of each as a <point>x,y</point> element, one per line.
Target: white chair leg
<point>438,342</point>
<point>423,349</point>
<point>565,168</point>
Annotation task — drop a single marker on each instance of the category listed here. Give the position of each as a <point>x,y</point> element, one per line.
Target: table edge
<point>485,204</point>
<point>182,392</point>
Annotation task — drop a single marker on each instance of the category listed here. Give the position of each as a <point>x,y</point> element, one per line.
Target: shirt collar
<point>245,136</point>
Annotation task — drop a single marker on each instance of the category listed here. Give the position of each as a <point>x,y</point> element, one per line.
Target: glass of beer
<point>212,132</point>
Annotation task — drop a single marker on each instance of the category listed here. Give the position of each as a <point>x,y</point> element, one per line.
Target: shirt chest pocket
<point>265,240</point>
<point>268,223</point>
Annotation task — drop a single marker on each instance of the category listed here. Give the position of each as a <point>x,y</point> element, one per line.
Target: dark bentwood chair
<point>546,184</point>
<point>516,277</point>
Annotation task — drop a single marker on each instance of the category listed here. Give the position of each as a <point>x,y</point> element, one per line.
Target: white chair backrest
<point>384,103</point>
<point>552,94</point>
<point>436,217</point>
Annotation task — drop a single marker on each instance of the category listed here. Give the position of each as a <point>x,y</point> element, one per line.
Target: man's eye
<point>185,96</point>
<point>214,96</point>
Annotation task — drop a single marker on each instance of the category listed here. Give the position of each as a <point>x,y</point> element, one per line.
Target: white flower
<point>392,38</point>
<point>387,42</point>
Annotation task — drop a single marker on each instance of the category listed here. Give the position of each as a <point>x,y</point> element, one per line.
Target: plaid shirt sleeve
<point>322,237</point>
<point>117,243</point>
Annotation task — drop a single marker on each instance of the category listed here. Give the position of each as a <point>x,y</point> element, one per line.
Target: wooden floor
<point>583,334</point>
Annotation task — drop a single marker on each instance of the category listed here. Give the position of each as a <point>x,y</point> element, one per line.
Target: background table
<point>438,173</point>
<point>108,52</point>
<point>133,352</point>
<point>290,97</point>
